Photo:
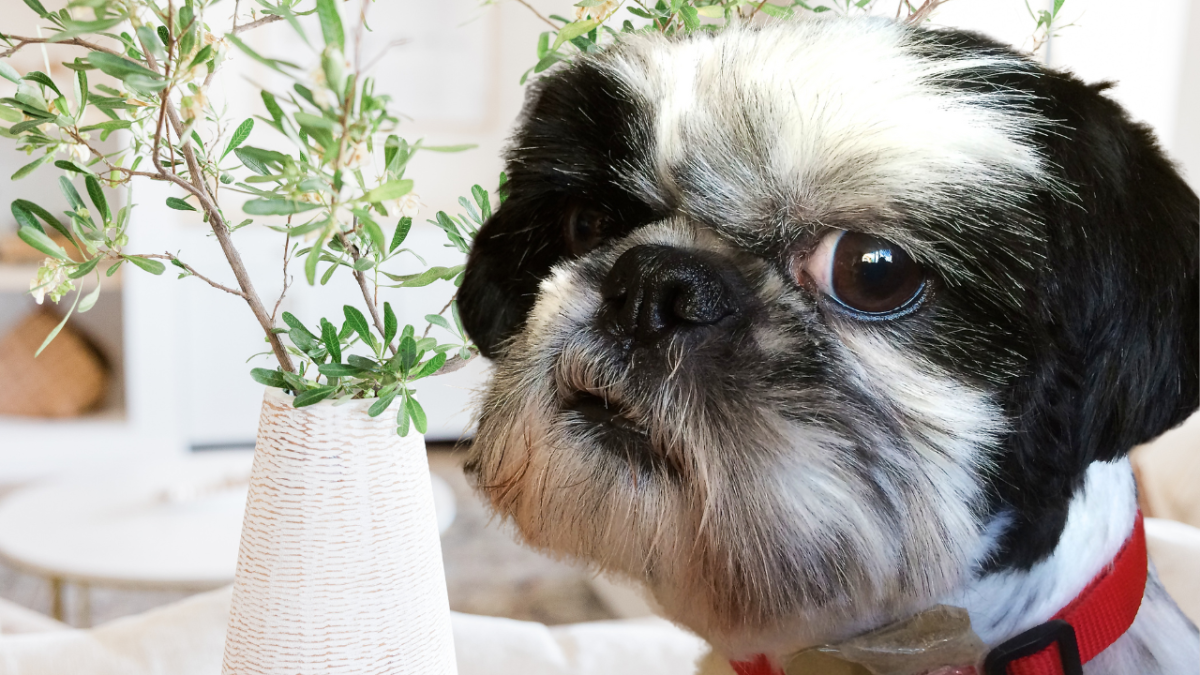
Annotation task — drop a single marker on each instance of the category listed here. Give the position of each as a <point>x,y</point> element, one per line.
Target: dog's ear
<point>1115,312</point>
<point>1118,295</point>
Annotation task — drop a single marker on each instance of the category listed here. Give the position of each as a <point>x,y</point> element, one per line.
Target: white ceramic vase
<point>340,567</point>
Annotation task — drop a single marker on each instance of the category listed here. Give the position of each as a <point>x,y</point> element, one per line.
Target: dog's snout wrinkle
<point>652,291</point>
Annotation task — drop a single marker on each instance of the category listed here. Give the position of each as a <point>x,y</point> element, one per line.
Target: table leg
<point>85,605</point>
<point>56,598</point>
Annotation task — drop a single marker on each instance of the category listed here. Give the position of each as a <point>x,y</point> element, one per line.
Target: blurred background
<point>177,411</point>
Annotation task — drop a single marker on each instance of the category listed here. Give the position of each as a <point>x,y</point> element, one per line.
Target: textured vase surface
<point>340,566</point>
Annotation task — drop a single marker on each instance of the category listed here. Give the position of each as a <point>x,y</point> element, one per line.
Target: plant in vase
<point>340,559</point>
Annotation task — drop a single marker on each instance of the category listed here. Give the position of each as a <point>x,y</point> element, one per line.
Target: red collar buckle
<point>1033,641</point>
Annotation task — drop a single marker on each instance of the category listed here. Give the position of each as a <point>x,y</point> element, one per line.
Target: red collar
<point>1100,614</point>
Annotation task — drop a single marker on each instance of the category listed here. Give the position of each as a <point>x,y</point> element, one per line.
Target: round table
<point>171,524</point>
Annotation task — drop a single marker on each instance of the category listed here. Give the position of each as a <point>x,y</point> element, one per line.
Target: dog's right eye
<point>584,229</point>
<point>869,276</point>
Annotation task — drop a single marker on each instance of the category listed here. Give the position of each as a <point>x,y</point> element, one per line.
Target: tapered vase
<point>340,566</point>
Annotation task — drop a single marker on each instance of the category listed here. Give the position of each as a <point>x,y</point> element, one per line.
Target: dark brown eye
<point>865,273</point>
<point>584,229</point>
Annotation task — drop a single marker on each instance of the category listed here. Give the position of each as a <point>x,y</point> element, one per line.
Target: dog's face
<point>803,325</point>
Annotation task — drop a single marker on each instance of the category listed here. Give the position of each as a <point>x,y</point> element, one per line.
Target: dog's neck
<point>1099,521</point>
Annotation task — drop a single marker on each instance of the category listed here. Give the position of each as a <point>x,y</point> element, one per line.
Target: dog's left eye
<point>584,229</point>
<point>869,275</point>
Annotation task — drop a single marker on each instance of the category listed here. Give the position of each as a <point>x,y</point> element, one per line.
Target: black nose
<point>653,291</point>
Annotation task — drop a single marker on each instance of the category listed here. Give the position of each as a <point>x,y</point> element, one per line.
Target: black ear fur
<point>1118,307</point>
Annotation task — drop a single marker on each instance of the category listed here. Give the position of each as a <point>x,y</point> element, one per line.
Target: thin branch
<point>757,8</point>
<point>287,249</point>
<point>455,364</point>
<point>22,41</point>
<point>270,18</point>
<point>193,272</point>
<point>538,14</point>
<point>928,7</point>
<point>443,311</point>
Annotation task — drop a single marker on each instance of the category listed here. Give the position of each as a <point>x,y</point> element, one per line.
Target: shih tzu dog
<point>812,327</point>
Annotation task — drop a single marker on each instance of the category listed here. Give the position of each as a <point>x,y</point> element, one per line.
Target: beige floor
<point>487,572</point>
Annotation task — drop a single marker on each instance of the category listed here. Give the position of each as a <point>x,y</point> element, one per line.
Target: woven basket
<point>66,380</point>
<point>340,567</point>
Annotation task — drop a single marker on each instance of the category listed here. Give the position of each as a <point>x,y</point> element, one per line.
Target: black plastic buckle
<point>1033,641</point>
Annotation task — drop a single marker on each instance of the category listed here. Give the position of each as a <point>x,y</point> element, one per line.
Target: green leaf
<point>313,396</point>
<point>572,31</point>
<point>339,370</point>
<point>375,234</point>
<point>277,207</point>
<point>9,73</point>
<point>179,205</point>
<point>425,278</point>
<point>273,64</point>
<point>151,266</point>
<point>39,240</point>
<point>44,80</point>
<point>84,268</point>
<point>331,24</point>
<point>402,419</point>
<point>201,56</point>
<point>121,68</point>
<point>393,189</point>
<point>37,7</point>
<point>358,322</point>
<point>239,136</point>
<point>97,195</point>
<point>330,337</point>
<point>429,367</point>
<point>407,352</point>
<point>300,336</point>
<point>270,378</point>
<point>261,161</point>
<point>272,107</point>
<point>89,300</point>
<point>57,329</point>
<point>46,216</point>
<point>8,114</point>
<point>70,193</point>
<point>417,413</point>
<point>66,165</point>
<point>30,167</point>
<point>310,122</point>
<point>362,363</point>
<point>150,40</point>
<point>691,18</point>
<point>401,234</point>
<point>389,323</point>
<point>386,396</point>
<point>438,321</point>
<point>111,125</point>
<point>462,147</point>
<point>483,200</point>
<point>314,256</point>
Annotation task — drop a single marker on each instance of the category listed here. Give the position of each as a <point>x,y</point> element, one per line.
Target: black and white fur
<point>798,475</point>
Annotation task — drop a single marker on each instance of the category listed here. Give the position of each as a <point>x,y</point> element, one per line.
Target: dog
<point>810,327</point>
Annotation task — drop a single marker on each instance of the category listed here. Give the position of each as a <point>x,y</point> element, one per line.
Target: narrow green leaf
<point>150,40</point>
<point>179,204</point>
<point>401,234</point>
<point>402,419</point>
<point>407,352</point>
<point>418,414</point>
<point>273,64</point>
<point>386,397</point>
<point>121,68</point>
<point>429,367</point>
<point>151,266</point>
<point>30,167</point>
<point>39,240</point>
<point>425,278</point>
<point>339,370</point>
<point>314,256</point>
<point>463,147</point>
<point>89,300</point>
<point>272,106</point>
<point>84,268</point>
<point>37,7</point>
<point>375,234</point>
<point>331,24</point>
<point>46,216</point>
<point>9,73</point>
<point>438,321</point>
<point>44,80</point>
<point>362,363</point>
<point>393,189</point>
<point>313,396</point>
<point>239,136</point>
<point>357,321</point>
<point>67,165</point>
<point>57,329</point>
<point>277,207</point>
<point>270,378</point>
<point>97,195</point>
<point>572,31</point>
<point>70,193</point>
<point>389,323</point>
<point>330,337</point>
